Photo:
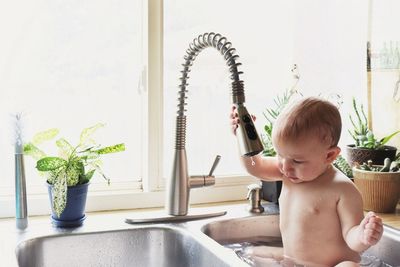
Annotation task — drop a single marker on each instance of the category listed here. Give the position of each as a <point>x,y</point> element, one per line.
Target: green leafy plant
<point>362,135</point>
<point>271,114</point>
<point>74,165</point>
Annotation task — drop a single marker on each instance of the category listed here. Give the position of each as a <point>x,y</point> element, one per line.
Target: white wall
<point>330,49</point>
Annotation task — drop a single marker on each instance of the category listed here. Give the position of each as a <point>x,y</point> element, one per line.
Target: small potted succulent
<point>379,185</point>
<point>366,146</point>
<point>68,174</point>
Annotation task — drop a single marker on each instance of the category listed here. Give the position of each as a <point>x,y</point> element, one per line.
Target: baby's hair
<point>309,116</point>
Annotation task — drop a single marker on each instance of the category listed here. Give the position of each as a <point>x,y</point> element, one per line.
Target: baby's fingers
<point>375,223</point>
<point>233,112</point>
<point>371,237</point>
<point>373,231</point>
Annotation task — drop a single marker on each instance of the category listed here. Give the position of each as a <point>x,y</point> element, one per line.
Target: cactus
<point>362,135</point>
<point>341,164</point>
<point>388,166</point>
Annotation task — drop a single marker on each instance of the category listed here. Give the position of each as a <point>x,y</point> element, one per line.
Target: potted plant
<point>68,174</point>
<point>367,146</point>
<point>379,185</point>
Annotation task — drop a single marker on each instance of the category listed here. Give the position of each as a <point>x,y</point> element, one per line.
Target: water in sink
<point>260,253</point>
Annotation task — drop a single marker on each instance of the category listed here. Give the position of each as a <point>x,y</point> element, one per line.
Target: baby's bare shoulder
<point>340,177</point>
<point>343,183</point>
<point>345,189</point>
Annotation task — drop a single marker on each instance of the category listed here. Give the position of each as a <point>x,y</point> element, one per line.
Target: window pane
<point>261,31</point>
<point>70,65</point>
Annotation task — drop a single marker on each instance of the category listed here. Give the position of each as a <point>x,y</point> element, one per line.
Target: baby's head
<point>309,117</point>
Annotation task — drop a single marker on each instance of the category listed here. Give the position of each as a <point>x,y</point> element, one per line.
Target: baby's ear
<point>333,152</point>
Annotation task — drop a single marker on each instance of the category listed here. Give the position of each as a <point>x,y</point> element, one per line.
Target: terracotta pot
<point>361,155</point>
<point>380,190</point>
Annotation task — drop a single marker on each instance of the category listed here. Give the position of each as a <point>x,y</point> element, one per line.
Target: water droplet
<point>252,161</point>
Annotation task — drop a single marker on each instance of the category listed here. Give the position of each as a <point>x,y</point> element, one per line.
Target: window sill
<point>225,189</point>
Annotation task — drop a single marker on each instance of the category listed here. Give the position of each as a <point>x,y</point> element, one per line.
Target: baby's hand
<point>235,119</point>
<point>371,229</point>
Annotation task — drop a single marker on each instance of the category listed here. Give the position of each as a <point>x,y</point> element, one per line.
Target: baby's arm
<point>358,231</point>
<point>366,234</point>
<point>265,168</point>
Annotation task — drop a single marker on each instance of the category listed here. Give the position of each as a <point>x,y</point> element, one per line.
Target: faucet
<point>179,185</point>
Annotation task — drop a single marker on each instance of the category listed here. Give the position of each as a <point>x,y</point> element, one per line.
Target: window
<point>70,65</point>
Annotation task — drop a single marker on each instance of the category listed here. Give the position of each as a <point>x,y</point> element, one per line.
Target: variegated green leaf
<point>33,151</point>
<point>111,149</point>
<point>87,132</point>
<point>86,178</point>
<point>50,163</point>
<point>97,166</point>
<point>65,148</point>
<point>74,171</point>
<point>59,192</point>
<point>45,136</point>
<point>88,156</point>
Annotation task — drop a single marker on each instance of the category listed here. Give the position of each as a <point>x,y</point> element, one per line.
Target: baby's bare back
<point>310,223</point>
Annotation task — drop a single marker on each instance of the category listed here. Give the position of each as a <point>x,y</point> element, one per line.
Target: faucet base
<point>162,217</point>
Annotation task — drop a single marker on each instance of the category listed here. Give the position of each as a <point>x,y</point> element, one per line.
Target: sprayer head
<point>249,142</point>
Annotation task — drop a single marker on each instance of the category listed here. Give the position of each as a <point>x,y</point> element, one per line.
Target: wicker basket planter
<point>380,190</point>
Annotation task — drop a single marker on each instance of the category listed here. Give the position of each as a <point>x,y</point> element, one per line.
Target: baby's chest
<point>308,207</point>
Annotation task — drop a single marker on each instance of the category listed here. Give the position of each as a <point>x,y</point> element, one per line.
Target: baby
<point>321,211</point>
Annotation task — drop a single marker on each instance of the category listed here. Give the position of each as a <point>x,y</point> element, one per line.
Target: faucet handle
<point>216,161</point>
<point>204,180</point>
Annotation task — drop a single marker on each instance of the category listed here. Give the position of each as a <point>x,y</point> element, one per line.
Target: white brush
<point>18,130</point>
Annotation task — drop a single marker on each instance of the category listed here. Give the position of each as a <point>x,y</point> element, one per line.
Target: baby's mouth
<point>290,176</point>
<point>293,178</point>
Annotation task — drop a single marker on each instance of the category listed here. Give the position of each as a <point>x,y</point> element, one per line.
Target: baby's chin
<point>294,179</point>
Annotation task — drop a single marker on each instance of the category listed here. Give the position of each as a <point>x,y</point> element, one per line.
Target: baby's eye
<point>298,161</point>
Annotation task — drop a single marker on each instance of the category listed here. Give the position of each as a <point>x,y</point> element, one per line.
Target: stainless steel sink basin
<point>106,240</point>
<point>146,246</point>
<point>255,228</point>
<point>265,228</point>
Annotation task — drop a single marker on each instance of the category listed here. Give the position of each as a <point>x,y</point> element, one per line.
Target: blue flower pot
<point>271,191</point>
<point>74,212</point>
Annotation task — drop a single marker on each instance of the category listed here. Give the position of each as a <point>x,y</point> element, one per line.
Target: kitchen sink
<point>145,246</point>
<point>264,230</point>
<point>106,240</point>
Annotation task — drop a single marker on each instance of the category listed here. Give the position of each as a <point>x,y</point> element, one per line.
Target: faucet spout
<point>250,144</point>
